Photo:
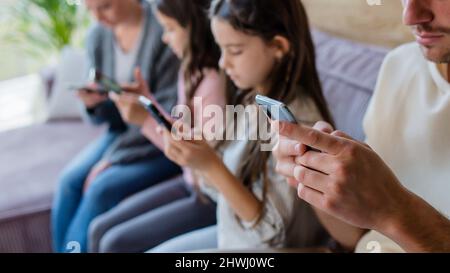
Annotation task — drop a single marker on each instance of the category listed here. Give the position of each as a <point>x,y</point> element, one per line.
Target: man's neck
<point>134,18</point>
<point>444,68</point>
<point>448,72</point>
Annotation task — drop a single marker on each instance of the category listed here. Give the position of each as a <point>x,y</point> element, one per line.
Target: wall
<point>359,21</point>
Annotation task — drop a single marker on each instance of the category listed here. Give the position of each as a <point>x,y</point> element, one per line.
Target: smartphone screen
<point>275,110</point>
<point>153,110</point>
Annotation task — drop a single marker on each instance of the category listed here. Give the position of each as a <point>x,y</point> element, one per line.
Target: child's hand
<point>194,154</point>
<point>131,111</point>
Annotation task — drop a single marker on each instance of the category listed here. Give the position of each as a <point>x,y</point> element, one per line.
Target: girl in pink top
<point>173,207</point>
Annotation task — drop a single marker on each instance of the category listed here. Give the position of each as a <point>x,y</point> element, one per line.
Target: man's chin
<point>436,55</point>
<point>106,24</point>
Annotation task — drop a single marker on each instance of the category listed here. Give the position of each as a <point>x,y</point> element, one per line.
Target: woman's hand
<point>194,154</point>
<point>91,99</point>
<point>129,107</point>
<point>139,87</point>
<point>128,103</point>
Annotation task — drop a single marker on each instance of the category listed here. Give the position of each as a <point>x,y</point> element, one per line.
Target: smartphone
<point>153,110</point>
<point>88,89</point>
<point>282,112</point>
<point>105,82</point>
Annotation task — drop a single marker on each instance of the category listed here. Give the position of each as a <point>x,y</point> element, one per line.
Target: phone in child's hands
<point>281,113</point>
<point>156,114</point>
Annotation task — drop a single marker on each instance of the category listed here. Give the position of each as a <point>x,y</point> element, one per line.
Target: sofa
<point>31,158</point>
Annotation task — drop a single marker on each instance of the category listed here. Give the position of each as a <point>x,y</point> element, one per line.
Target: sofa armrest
<point>26,229</point>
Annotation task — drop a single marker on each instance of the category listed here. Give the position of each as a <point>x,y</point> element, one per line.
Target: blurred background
<point>34,34</point>
<point>41,45</point>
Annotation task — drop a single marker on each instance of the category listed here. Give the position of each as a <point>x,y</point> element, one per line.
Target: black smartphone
<point>153,110</point>
<point>282,112</point>
<point>88,89</point>
<point>105,82</point>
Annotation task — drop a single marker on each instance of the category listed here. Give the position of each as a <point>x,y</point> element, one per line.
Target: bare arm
<point>429,234</point>
<point>240,199</point>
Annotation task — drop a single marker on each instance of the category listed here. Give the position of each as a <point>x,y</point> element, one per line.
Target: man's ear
<point>281,45</point>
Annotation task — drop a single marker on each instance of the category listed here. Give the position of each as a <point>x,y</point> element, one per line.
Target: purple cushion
<point>349,72</point>
<point>31,159</point>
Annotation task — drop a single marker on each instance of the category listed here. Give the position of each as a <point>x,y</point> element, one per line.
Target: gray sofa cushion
<point>348,72</point>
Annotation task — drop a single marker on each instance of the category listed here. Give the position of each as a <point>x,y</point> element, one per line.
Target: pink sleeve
<point>212,90</point>
<point>149,127</point>
<point>149,131</point>
<point>159,107</point>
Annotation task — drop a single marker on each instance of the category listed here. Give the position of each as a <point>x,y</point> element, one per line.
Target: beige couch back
<point>359,21</point>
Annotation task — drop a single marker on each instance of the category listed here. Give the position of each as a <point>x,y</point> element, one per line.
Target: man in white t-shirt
<point>407,204</point>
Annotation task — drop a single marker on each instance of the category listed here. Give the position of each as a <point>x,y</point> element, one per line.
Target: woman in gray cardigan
<point>122,162</point>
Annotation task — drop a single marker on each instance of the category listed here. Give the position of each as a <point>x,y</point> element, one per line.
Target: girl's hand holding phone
<point>129,107</point>
<point>195,154</point>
